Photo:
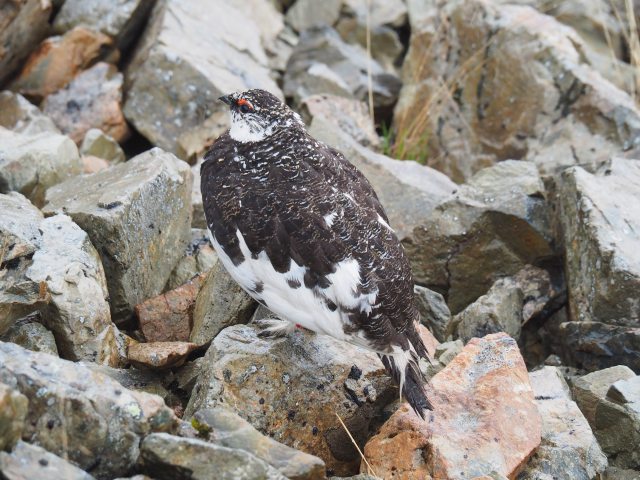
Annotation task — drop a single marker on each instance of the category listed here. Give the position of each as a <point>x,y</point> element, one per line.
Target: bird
<point>302,231</point>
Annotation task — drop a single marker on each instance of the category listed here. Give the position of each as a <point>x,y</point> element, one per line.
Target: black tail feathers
<point>405,370</point>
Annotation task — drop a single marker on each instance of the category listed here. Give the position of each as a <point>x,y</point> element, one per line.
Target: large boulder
<point>182,65</point>
<point>137,215</point>
<point>31,163</point>
<point>485,82</point>
<point>491,227</point>
<point>81,415</point>
<point>471,431</point>
<point>601,231</point>
<point>27,462</point>
<point>293,389</point>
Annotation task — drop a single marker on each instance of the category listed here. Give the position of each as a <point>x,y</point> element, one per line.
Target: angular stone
<point>120,20</point>
<point>91,164</point>
<point>186,376</point>
<point>407,190</point>
<point>99,144</point>
<point>19,115</point>
<point>226,428</point>
<point>589,389</point>
<point>32,335</point>
<point>134,379</point>
<point>199,219</point>
<point>168,457</point>
<point>490,82</point>
<point>490,228</point>
<point>93,99</point>
<point>471,431</point>
<point>13,411</point>
<point>292,388</point>
<point>137,215</point>
<point>568,448</point>
<point>30,164</point>
<point>434,312</point>
<point>169,317</point>
<point>23,24</point>
<point>173,81</point>
<point>160,355</point>
<point>81,415</point>
<point>322,63</point>
<point>613,473</point>
<point>305,14</point>
<point>220,304</point>
<point>199,257</point>
<point>29,462</point>
<point>58,60</point>
<point>601,231</point>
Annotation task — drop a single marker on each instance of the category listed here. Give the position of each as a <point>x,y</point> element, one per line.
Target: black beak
<point>226,99</point>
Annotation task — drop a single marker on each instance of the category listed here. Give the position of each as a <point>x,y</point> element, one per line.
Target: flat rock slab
<point>80,414</point>
<point>160,355</point>
<point>471,431</point>
<point>30,462</point>
<point>138,216</point>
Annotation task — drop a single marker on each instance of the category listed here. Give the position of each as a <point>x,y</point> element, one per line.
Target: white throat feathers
<point>247,128</point>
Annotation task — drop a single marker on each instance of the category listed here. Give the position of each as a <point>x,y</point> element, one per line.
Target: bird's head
<point>257,114</point>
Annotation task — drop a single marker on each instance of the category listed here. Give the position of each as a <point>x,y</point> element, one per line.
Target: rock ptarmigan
<point>302,231</point>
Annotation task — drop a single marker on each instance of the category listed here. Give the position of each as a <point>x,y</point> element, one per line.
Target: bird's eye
<point>244,106</point>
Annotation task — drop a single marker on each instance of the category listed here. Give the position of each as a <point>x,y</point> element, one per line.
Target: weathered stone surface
<point>134,379</point>
<point>13,411</point>
<point>30,462</point>
<point>568,448</point>
<point>174,81</point>
<point>305,14</point>
<point>617,423</point>
<point>220,304</point>
<point>169,316</point>
<point>91,164</point>
<point>58,60</point>
<point>226,428</point>
<point>292,388</point>
<point>471,431</point>
<point>486,82</point>
<point>407,190</point>
<point>168,457</point>
<point>199,219</point>
<point>613,473</point>
<point>184,378</point>
<point>509,303</point>
<point>589,389</point>
<point>78,312</point>
<point>23,24</point>
<point>99,144</point>
<point>32,335</point>
<point>30,164</point>
<point>137,215</point>
<point>199,257</point>
<point>91,100</point>
<point>81,415</point>
<point>490,228</point>
<point>434,312</point>
<point>160,355</point>
<point>19,115</point>
<point>322,63</point>
<point>119,19</point>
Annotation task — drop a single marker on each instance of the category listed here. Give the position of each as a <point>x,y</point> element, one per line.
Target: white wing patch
<point>383,223</point>
<point>329,219</point>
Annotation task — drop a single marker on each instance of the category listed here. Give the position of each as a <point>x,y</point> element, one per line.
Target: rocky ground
<point>505,146</point>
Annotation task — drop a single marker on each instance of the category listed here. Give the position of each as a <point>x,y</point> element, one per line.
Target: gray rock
<point>292,388</point>
<point>19,115</point>
<point>32,335</point>
<point>221,303</point>
<point>199,257</point>
<point>323,63</point>
<point>173,81</point>
<point>568,448</point>
<point>185,377</point>
<point>121,20</point>
<point>434,312</point>
<point>82,415</point>
<point>486,57</point>
<point>407,190</point>
<point>305,14</point>
<point>199,220</point>
<point>613,473</point>
<point>589,389</point>
<point>137,215</point>
<point>447,351</point>
<point>168,457</point>
<point>134,379</point>
<point>13,411</point>
<point>30,462</point>
<point>490,228</point>
<point>226,428</point>
<point>22,25</point>
<point>99,144</point>
<point>30,164</point>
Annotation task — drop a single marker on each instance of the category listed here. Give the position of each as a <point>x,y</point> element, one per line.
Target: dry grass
<point>370,470</point>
